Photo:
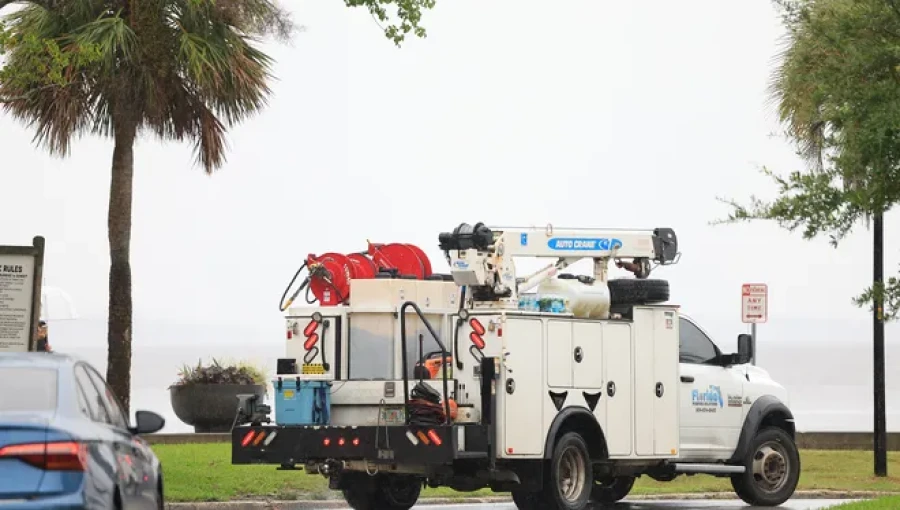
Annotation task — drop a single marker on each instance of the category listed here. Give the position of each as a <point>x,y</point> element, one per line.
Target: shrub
<point>218,373</point>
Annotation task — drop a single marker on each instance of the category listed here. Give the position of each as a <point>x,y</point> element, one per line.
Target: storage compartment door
<point>587,355</point>
<point>559,353</point>
<point>617,390</point>
<point>644,382</point>
<point>523,389</point>
<point>665,409</point>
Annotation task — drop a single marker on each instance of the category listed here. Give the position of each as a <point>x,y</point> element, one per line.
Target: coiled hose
<point>425,409</point>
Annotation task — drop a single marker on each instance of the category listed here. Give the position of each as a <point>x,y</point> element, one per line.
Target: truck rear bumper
<point>292,445</point>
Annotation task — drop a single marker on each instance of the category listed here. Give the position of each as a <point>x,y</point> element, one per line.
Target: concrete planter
<point>210,407</point>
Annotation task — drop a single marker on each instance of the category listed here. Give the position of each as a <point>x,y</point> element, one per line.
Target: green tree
<point>837,90</point>
<point>177,69</point>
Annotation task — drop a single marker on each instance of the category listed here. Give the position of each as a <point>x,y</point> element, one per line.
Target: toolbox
<point>302,402</point>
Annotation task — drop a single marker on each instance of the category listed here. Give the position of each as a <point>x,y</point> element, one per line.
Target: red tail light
<point>310,328</point>
<point>356,441</point>
<point>436,439</point>
<point>311,341</point>
<point>477,340</point>
<point>60,456</point>
<point>326,441</point>
<point>247,438</point>
<point>477,326</point>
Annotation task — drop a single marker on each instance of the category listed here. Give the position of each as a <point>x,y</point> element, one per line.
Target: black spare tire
<point>637,292</point>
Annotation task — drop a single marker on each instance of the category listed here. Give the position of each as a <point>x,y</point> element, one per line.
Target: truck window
<point>371,347</point>
<point>695,346</point>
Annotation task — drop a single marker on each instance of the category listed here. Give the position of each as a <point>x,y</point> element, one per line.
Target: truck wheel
<point>773,469</point>
<point>525,500</point>
<point>388,492</point>
<point>611,491</point>
<point>568,486</point>
<point>637,292</point>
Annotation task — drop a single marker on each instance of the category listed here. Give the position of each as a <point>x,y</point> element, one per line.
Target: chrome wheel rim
<point>572,474</point>
<point>770,467</point>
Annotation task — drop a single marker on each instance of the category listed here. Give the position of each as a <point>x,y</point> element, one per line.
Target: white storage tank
<point>585,301</point>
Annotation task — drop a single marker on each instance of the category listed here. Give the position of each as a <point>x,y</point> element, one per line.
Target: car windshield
<point>27,389</point>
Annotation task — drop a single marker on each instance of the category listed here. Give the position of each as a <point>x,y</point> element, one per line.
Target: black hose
<point>459,322</point>
<point>281,306</point>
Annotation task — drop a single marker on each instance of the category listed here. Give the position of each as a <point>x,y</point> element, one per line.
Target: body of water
<point>827,369</point>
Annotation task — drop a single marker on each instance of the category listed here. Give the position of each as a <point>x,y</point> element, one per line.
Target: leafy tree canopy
<point>44,61</point>
<point>837,92</point>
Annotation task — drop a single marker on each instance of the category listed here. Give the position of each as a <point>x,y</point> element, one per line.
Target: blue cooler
<point>300,402</point>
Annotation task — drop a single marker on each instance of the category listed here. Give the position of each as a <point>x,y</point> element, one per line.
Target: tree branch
<point>28,95</point>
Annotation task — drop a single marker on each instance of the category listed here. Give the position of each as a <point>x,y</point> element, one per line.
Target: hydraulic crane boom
<point>482,258</point>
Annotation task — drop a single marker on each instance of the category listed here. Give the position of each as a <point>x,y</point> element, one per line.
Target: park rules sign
<point>21,269</point>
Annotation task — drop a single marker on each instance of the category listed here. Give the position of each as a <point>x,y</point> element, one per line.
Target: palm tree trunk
<point>118,370</point>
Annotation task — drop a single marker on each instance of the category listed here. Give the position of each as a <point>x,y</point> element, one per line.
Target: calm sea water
<point>825,364</point>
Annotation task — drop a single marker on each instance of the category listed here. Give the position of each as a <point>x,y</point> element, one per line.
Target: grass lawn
<point>203,472</point>
<point>887,503</point>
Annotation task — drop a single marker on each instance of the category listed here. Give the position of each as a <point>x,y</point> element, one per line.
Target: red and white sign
<point>754,303</point>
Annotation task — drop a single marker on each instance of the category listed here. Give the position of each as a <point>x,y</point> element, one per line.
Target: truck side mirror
<point>745,349</point>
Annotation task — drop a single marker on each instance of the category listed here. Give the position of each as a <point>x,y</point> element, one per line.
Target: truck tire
<point>628,292</point>
<point>611,491</point>
<point>388,492</point>
<point>569,482</point>
<point>526,500</point>
<point>772,469</point>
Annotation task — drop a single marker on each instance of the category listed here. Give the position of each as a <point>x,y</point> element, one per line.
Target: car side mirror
<point>745,349</point>
<point>147,422</point>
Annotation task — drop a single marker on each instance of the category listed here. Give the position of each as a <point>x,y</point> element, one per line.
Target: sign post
<point>21,273</point>
<point>754,308</point>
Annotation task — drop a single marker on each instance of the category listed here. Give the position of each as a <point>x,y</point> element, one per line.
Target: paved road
<point>797,504</point>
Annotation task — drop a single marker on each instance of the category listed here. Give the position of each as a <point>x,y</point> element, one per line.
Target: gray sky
<point>606,114</point>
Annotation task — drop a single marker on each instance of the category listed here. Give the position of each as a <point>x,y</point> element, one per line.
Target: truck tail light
<point>247,438</point>
<point>356,441</point>
<point>57,456</point>
<point>435,438</point>
<point>310,328</point>
<point>311,341</point>
<point>477,340</point>
<point>476,335</point>
<point>259,438</point>
<point>477,327</point>
<point>326,441</point>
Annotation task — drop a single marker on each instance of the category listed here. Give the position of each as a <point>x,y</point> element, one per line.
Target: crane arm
<point>482,258</point>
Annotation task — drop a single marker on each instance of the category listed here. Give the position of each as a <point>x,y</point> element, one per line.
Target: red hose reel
<point>330,273</point>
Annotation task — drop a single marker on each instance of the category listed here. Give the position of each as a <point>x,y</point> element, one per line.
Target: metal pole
<point>880,428</point>
<point>753,342</point>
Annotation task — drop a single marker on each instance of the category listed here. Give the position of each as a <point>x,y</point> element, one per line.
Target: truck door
<point>711,396</point>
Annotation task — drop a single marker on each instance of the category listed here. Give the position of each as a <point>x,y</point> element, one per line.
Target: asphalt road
<point>796,504</point>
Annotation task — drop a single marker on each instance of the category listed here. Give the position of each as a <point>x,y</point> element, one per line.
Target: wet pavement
<point>716,504</point>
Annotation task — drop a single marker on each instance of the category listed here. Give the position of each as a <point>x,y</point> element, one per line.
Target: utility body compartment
<point>624,373</point>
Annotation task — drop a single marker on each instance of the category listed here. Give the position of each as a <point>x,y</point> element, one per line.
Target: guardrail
<point>805,440</point>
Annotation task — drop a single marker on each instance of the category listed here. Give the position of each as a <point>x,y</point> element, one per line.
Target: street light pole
<point>880,428</point>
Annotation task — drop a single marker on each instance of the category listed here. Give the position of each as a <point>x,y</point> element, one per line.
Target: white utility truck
<point>396,378</point>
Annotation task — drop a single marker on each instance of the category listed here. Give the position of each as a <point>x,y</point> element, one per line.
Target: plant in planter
<point>205,396</point>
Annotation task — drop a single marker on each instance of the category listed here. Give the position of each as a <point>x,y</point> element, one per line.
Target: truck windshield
<point>28,389</point>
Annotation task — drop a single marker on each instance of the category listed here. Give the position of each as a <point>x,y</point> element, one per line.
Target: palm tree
<point>180,69</point>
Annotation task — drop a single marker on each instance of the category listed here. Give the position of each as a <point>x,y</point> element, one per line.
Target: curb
<point>339,503</point>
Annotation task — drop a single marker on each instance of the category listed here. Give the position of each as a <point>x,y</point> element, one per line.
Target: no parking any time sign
<point>754,303</point>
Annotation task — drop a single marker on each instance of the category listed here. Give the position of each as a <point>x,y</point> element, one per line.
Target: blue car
<point>65,442</point>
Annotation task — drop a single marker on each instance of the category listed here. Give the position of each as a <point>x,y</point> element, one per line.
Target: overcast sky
<point>585,114</point>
